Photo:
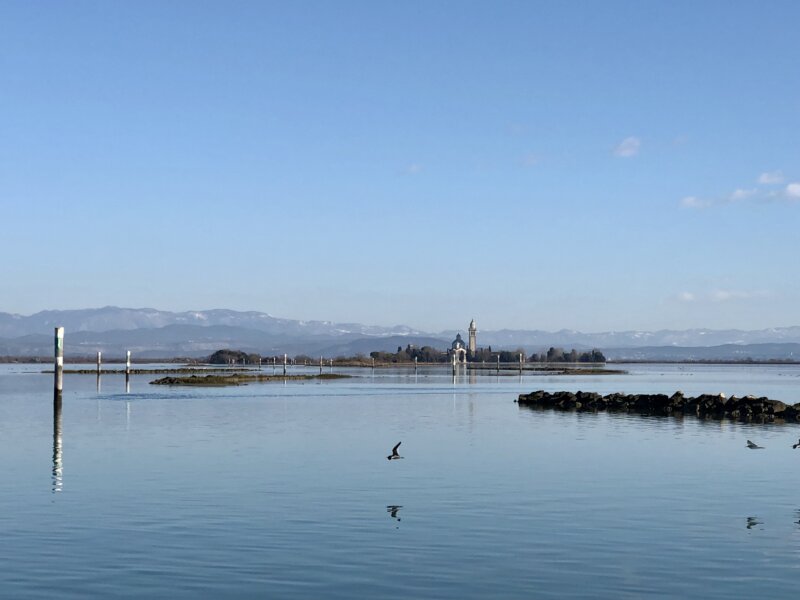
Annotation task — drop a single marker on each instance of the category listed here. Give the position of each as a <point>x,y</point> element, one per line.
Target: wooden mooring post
<point>99,362</point>
<point>284,364</point>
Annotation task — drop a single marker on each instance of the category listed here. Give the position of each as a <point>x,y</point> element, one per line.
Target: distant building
<point>473,337</point>
<point>459,349</point>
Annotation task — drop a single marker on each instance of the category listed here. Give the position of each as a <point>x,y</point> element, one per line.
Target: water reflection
<point>98,382</point>
<point>127,383</point>
<point>753,522</point>
<point>393,509</point>
<point>58,465</point>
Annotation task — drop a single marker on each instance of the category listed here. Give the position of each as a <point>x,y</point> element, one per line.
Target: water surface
<point>284,490</point>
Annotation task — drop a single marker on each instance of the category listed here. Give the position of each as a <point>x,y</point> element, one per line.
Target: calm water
<point>284,491</point>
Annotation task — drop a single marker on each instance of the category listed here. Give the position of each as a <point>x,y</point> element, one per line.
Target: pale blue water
<point>284,491</point>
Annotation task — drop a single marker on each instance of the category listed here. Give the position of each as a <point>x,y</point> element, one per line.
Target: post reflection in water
<point>98,383</point>
<point>127,384</point>
<point>393,509</point>
<point>58,465</point>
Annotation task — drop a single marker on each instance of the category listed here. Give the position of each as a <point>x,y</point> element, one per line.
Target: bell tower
<point>473,337</point>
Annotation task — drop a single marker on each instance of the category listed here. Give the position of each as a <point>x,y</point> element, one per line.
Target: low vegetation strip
<point>748,408</point>
<point>240,379</point>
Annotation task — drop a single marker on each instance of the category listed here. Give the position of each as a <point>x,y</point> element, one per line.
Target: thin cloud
<point>790,193</point>
<point>694,202</point>
<point>628,147</point>
<point>740,194</point>
<point>530,160</point>
<point>726,295</point>
<point>771,178</point>
<point>718,296</point>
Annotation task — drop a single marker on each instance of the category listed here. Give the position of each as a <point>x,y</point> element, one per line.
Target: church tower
<point>473,337</point>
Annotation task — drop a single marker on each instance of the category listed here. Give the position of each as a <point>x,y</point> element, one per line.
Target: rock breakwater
<point>747,408</point>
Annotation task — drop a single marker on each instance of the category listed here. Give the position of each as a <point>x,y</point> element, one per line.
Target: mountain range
<point>151,333</point>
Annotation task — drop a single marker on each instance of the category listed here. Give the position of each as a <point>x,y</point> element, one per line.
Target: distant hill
<point>755,352</point>
<point>566,338</point>
<point>112,318</point>
<point>151,333</point>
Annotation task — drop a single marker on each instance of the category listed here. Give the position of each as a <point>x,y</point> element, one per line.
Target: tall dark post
<point>284,365</point>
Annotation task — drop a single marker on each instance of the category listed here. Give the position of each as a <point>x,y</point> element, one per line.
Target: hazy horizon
<point>589,166</point>
<point>462,327</point>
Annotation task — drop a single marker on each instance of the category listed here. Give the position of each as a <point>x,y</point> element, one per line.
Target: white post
<point>320,365</point>
<point>128,362</point>
<point>284,365</point>
<point>58,383</point>
<point>99,361</point>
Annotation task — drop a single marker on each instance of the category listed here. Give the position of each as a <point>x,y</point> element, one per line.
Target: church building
<point>459,349</point>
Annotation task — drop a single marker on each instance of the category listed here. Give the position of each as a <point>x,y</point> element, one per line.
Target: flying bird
<point>753,446</point>
<point>394,455</point>
<point>797,445</point>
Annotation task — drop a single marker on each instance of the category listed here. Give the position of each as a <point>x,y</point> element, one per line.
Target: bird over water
<point>394,455</point>
<point>753,446</point>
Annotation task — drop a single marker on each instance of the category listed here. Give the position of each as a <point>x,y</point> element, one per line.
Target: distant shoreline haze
<point>151,333</point>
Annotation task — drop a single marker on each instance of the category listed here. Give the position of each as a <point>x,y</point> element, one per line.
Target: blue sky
<point>586,165</point>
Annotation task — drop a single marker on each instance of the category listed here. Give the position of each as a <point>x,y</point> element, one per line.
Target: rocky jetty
<point>747,408</point>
